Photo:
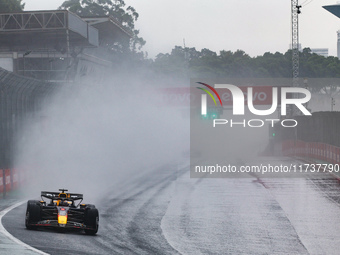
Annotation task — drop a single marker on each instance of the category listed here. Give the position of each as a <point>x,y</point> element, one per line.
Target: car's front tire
<point>92,221</point>
<point>33,213</point>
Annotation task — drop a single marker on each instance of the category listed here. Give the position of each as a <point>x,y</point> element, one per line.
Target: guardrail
<point>320,151</point>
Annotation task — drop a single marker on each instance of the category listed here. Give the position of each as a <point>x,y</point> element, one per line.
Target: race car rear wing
<point>55,195</point>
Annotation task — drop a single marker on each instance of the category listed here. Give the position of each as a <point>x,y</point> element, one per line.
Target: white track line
<point>7,234</point>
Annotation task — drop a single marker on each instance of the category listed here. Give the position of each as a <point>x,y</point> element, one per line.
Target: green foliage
<point>11,5</point>
<point>188,62</point>
<point>126,16</point>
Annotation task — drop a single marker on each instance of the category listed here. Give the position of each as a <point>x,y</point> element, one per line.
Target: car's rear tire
<point>91,221</point>
<point>33,213</point>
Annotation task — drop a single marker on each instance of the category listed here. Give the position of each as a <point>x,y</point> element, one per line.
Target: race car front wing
<point>55,224</point>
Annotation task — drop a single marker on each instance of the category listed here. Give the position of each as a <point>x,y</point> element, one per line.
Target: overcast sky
<point>255,26</point>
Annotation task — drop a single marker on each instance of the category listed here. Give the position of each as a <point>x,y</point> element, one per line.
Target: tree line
<point>238,64</point>
<point>188,62</point>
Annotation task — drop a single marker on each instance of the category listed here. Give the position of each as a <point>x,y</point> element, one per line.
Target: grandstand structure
<point>40,51</point>
<point>57,45</point>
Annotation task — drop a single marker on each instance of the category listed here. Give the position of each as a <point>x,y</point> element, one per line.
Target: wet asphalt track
<point>166,212</point>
